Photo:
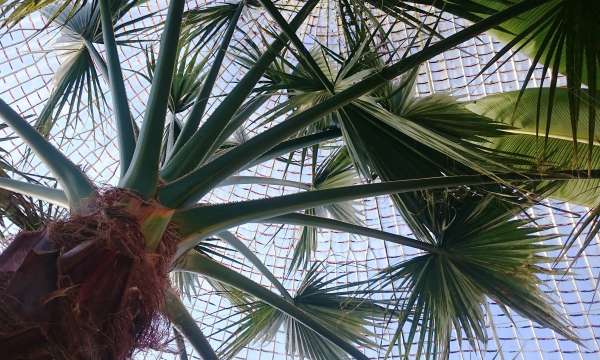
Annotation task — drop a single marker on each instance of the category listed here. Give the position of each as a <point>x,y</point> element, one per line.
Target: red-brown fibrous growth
<point>86,287</point>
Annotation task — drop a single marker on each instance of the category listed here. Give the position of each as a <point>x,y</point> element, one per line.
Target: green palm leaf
<point>204,24</point>
<point>347,315</point>
<point>402,10</point>
<point>335,171</point>
<point>555,151</point>
<point>402,136</point>
<point>485,253</point>
<point>187,80</point>
<point>14,11</point>
<point>560,36</point>
<point>81,64</point>
<point>75,77</point>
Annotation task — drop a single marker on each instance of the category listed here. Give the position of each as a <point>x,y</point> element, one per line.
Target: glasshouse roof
<point>502,268</point>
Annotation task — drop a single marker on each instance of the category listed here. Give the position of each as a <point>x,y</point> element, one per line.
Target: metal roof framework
<point>28,64</point>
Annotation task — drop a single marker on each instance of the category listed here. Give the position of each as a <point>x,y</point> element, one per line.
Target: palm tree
<point>95,284</point>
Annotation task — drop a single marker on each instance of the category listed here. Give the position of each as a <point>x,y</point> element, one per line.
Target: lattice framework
<point>27,65</point>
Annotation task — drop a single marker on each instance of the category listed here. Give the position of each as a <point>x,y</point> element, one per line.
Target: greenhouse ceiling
<point>318,179</point>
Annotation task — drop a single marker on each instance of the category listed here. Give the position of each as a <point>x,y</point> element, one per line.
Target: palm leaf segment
<point>20,210</point>
<point>14,11</point>
<point>335,171</point>
<point>81,64</point>
<point>204,24</point>
<point>185,88</point>
<point>484,252</point>
<point>337,307</point>
<point>187,80</point>
<point>559,37</point>
<point>392,134</point>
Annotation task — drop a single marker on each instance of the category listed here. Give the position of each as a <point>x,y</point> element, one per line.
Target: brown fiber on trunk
<point>86,287</point>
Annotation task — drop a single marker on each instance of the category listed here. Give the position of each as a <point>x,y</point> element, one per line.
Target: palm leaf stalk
<point>206,220</point>
<point>335,171</point>
<point>94,285</point>
<point>50,195</point>
<point>142,175</point>
<point>242,248</point>
<point>123,118</point>
<point>185,87</point>
<point>19,209</point>
<point>77,186</point>
<point>179,316</point>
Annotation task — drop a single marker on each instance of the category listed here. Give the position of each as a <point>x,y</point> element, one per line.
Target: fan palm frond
<point>14,11</point>
<point>519,110</point>
<point>203,24</point>
<point>187,80</point>
<point>335,171</point>
<point>484,253</point>
<point>559,36</point>
<point>77,80</point>
<point>348,315</point>
<point>556,151</point>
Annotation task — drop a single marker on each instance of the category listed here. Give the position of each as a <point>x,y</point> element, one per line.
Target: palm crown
<point>459,173</point>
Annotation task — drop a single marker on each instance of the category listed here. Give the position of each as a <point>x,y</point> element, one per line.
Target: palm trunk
<point>84,288</point>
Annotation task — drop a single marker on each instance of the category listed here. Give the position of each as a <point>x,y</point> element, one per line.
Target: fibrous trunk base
<point>84,288</point>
